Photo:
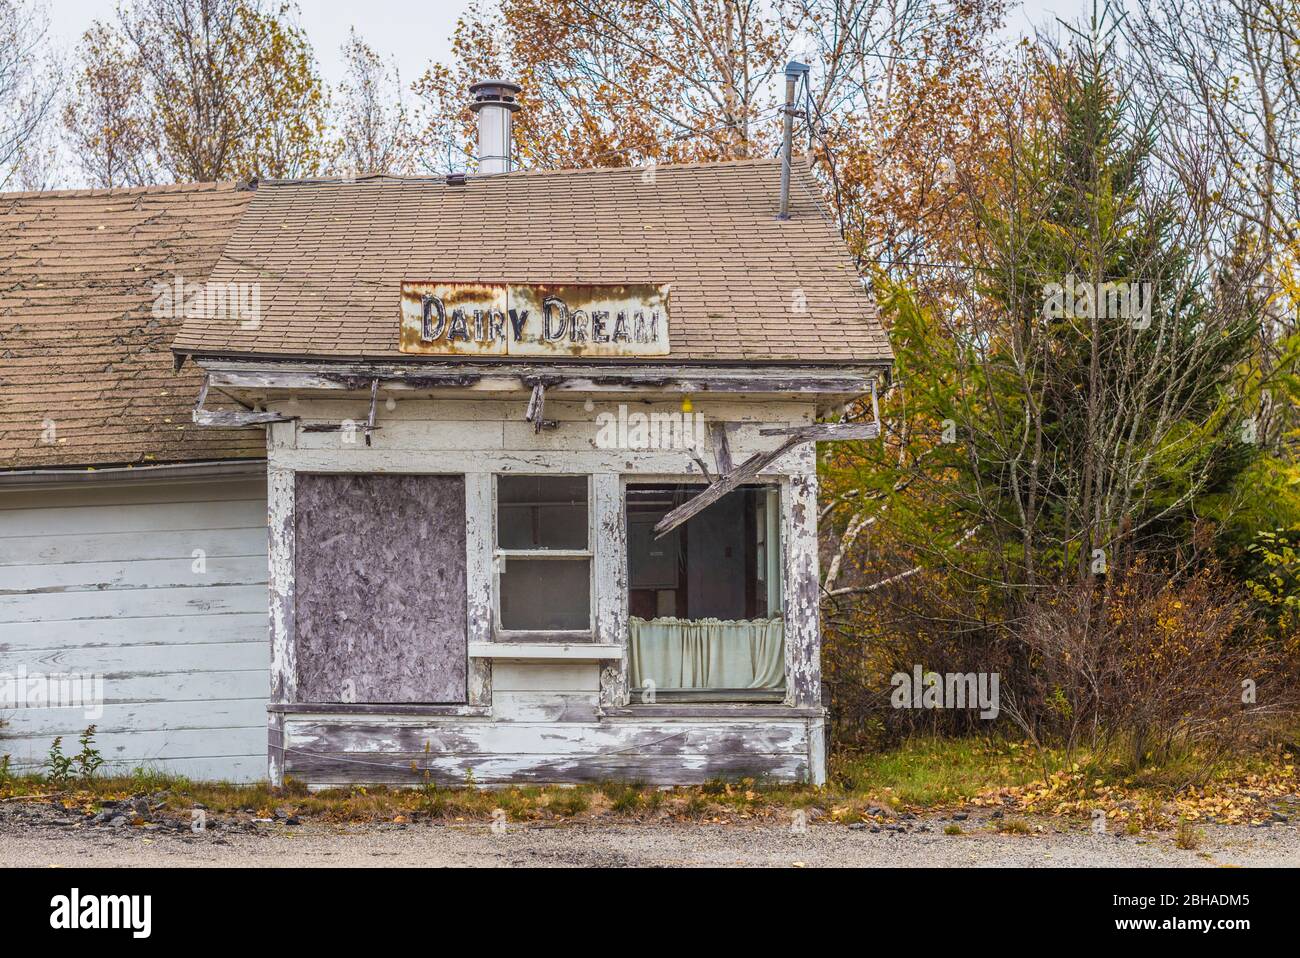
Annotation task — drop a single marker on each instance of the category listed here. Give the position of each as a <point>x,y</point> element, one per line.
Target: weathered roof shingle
<point>85,372</point>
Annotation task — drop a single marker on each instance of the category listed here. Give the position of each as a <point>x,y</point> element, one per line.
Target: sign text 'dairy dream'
<point>500,319</point>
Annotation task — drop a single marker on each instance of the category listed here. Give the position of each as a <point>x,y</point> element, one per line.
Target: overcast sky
<point>416,32</point>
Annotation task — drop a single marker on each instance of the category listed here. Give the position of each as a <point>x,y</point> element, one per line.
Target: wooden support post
<point>721,447</point>
<point>480,536</point>
<point>611,577</point>
<point>281,544</point>
<point>802,590</point>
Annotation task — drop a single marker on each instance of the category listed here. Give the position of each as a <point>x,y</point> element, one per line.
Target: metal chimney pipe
<point>794,71</point>
<point>494,102</point>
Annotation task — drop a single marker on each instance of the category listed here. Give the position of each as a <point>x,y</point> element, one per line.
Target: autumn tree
<point>106,121</point>
<point>373,122</point>
<point>1085,395</point>
<point>1228,71</point>
<point>230,90</point>
<point>618,83</point>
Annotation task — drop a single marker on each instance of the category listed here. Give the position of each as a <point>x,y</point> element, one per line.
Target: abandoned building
<point>503,477</point>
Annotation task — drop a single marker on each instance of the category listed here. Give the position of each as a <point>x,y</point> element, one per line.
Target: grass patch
<point>1014,826</point>
<point>953,829</point>
<point>568,802</point>
<point>927,772</point>
<point>922,774</point>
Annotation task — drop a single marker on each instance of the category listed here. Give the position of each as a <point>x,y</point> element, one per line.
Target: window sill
<point>544,650</point>
<point>702,710</point>
<point>380,708</point>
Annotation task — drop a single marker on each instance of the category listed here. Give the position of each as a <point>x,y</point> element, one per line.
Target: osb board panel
<point>380,581</point>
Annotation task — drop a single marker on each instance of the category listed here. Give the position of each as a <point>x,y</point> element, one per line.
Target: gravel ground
<point>41,837</point>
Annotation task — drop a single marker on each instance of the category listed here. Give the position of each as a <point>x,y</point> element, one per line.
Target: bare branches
<point>374,121</point>
<point>27,93</point>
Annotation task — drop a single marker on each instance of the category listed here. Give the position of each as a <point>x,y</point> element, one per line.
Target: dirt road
<point>44,841</point>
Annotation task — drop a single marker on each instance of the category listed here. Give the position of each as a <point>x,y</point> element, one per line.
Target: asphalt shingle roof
<point>328,259</point>
<point>80,345</point>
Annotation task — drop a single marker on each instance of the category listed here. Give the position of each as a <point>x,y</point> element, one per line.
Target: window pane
<point>546,594</point>
<point>541,512</point>
<point>723,563</point>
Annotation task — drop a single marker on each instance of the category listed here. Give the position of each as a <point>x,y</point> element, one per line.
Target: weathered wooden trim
<point>826,431</point>
<point>407,751</point>
<point>721,447</point>
<point>536,412</point>
<point>611,583</point>
<point>713,696</point>
<point>356,458</point>
<point>492,376</point>
<point>542,651</point>
<point>480,538</point>
<point>414,769</point>
<point>170,472</point>
<point>308,709</point>
<point>370,419</point>
<point>280,561</point>
<point>229,419</point>
<point>275,749</point>
<point>686,711</point>
<point>817,750</point>
<point>801,590</point>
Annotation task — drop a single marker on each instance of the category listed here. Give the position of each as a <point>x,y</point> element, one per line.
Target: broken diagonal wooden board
<point>229,418</point>
<point>827,431</point>
<point>751,467</point>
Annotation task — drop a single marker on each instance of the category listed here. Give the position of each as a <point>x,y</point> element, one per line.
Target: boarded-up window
<point>380,588</point>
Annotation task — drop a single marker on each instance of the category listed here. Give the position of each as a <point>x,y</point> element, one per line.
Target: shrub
<point>933,619</point>
<point>1148,667</point>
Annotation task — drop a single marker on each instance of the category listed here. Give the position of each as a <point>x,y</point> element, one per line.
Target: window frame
<point>775,486</point>
<point>499,632</point>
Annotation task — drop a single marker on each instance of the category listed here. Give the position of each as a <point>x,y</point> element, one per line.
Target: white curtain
<point>707,653</point>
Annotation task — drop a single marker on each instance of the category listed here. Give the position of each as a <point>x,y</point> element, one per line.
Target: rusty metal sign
<point>548,319</point>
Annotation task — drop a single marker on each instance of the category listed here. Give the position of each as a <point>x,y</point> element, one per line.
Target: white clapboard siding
<point>203,571</point>
<point>133,546</point>
<point>158,589</point>
<point>147,630</point>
